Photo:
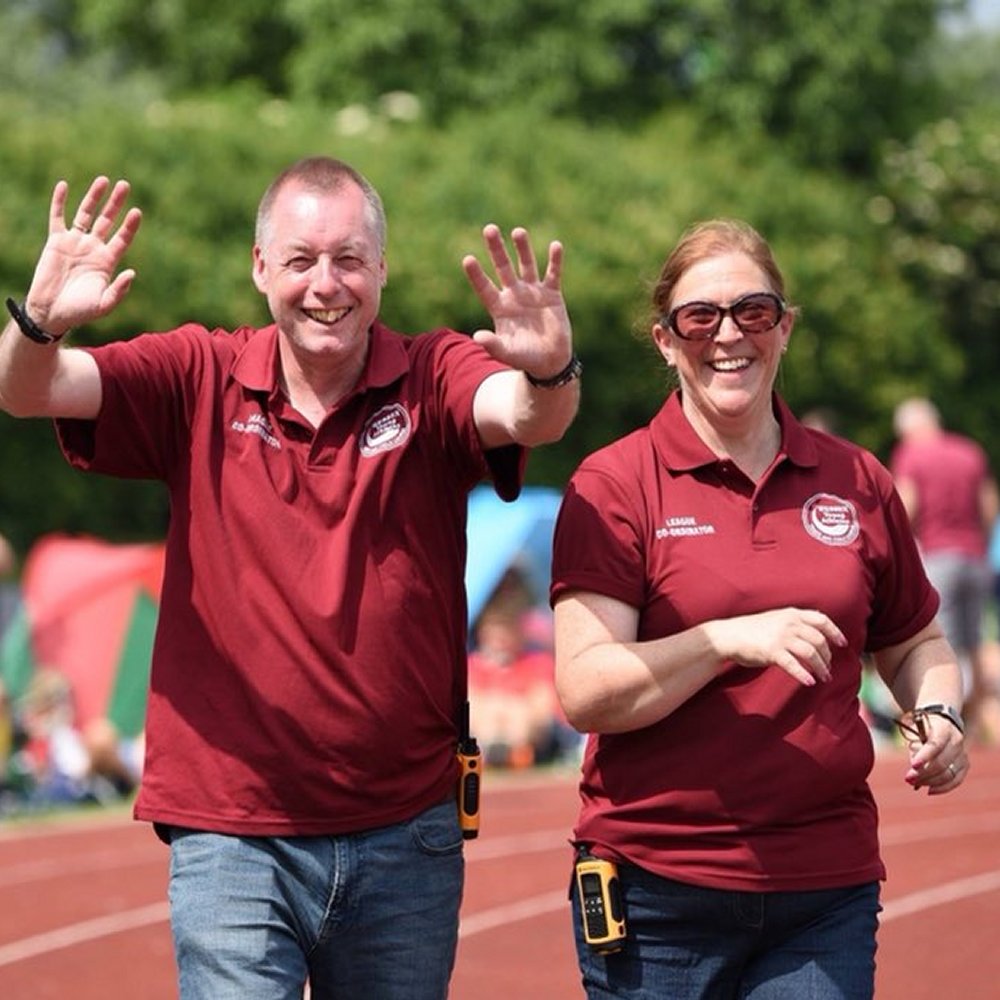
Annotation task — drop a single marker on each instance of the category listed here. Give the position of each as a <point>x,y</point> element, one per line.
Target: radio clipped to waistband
<point>600,899</point>
<point>470,769</point>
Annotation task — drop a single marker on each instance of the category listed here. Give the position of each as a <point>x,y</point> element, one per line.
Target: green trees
<point>608,125</point>
<point>941,209</point>
<point>831,79</point>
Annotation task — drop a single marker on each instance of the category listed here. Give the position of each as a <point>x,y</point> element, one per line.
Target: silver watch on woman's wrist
<point>946,712</point>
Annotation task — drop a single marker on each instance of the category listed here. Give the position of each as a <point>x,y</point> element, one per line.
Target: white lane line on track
<point>512,913</point>
<point>915,902</point>
<point>892,835</point>
<point>940,895</point>
<point>95,861</point>
<point>518,843</point>
<point>474,923</point>
<point>31,830</point>
<point>87,930</point>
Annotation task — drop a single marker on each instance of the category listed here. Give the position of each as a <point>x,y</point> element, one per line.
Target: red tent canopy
<point>90,611</point>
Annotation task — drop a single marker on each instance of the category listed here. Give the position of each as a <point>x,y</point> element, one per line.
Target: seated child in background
<point>513,708</point>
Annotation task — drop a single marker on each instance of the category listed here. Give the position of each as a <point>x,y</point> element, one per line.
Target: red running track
<point>83,912</point>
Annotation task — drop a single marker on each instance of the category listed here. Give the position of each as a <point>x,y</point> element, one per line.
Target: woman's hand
<point>798,641</point>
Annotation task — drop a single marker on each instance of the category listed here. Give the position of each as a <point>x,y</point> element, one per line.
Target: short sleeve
<point>598,545</point>
<point>904,601</point>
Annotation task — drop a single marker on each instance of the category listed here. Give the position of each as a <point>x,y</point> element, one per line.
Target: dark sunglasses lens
<point>757,313</point>
<point>698,321</point>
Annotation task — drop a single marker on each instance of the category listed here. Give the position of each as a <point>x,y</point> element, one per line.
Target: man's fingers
<point>57,207</point>
<point>497,250</point>
<point>480,282</point>
<point>105,221</point>
<point>87,211</point>
<point>553,273</point>
<point>525,255</point>
<point>122,239</point>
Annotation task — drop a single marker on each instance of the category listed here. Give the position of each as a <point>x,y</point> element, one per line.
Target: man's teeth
<point>730,364</point>
<point>326,315</point>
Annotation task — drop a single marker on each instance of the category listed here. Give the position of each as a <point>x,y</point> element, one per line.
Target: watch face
<point>946,712</point>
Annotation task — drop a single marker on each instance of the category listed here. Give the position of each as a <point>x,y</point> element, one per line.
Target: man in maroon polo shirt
<point>944,481</point>
<point>308,670</point>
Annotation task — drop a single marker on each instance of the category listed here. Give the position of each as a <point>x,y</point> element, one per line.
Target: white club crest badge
<point>830,519</point>
<point>384,430</point>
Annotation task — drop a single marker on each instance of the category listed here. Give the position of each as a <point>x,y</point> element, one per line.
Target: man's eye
<point>299,263</point>
<point>350,263</point>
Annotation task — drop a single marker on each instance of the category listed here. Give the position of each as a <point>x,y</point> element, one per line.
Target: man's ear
<point>257,268</point>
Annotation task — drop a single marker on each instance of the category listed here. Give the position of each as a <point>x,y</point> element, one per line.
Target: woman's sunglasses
<point>757,312</point>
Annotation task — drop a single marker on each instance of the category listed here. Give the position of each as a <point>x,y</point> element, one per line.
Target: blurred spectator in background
<point>52,761</point>
<point>10,595</point>
<point>7,745</point>
<point>7,559</point>
<point>514,712</point>
<point>820,419</point>
<point>950,495</point>
<point>115,761</point>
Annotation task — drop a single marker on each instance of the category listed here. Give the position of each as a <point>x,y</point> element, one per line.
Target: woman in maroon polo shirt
<point>717,577</point>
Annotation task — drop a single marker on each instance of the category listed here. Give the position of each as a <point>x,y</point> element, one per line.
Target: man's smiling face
<point>321,270</point>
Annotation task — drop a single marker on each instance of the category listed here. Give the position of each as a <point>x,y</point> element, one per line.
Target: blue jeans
<point>684,941</point>
<point>372,914</point>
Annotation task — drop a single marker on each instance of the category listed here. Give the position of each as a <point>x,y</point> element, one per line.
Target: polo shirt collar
<point>682,450</point>
<point>256,365</point>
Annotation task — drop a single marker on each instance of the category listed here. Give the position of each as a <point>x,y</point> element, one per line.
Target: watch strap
<point>571,372</point>
<point>946,712</point>
<point>29,327</point>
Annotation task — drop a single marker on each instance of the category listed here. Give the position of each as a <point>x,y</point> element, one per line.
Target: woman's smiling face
<point>726,381</point>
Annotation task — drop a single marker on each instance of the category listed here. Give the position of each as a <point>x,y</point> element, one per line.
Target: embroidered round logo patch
<point>384,430</point>
<point>831,520</point>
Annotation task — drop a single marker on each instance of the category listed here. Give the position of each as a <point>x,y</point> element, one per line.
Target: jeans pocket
<point>437,831</point>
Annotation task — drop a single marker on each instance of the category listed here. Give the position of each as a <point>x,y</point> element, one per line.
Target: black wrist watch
<point>571,372</point>
<point>29,327</point>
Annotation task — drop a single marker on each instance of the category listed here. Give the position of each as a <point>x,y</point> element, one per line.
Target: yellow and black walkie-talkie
<point>470,769</point>
<point>600,903</point>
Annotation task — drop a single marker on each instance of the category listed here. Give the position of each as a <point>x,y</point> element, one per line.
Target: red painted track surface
<point>83,912</point>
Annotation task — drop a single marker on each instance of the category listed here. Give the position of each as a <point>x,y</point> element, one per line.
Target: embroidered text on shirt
<point>679,527</point>
<point>257,424</point>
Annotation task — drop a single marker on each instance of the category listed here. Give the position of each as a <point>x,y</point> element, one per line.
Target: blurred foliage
<point>832,79</point>
<point>895,274</point>
<point>941,211</point>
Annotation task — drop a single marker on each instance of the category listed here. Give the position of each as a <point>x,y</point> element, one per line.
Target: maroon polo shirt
<point>310,656</point>
<point>949,472</point>
<point>756,782</point>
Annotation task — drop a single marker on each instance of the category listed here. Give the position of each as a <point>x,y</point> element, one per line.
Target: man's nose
<point>326,274</point>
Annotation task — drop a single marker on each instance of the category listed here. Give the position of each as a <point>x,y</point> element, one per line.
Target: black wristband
<point>946,712</point>
<point>572,371</point>
<point>29,327</point>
